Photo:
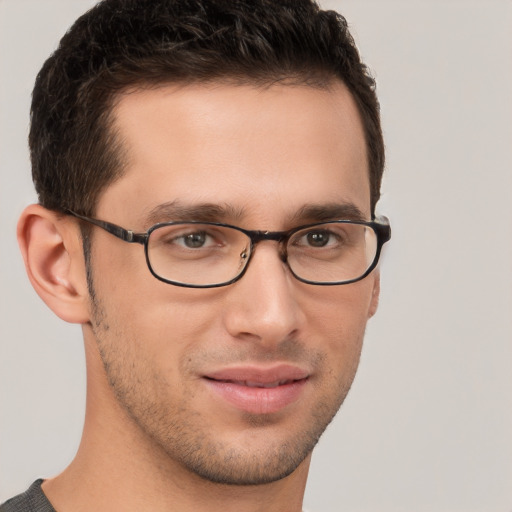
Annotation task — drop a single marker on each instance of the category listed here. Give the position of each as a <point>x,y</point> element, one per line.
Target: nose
<point>262,305</point>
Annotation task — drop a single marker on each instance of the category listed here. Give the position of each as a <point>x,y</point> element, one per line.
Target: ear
<point>52,250</point>
<point>374,300</point>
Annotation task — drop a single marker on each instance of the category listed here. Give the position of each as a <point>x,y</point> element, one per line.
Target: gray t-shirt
<point>32,500</point>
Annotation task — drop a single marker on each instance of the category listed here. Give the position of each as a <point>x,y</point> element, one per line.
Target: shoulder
<point>32,500</point>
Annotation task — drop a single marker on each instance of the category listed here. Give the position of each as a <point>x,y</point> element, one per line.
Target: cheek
<point>343,307</point>
<point>163,323</point>
<point>338,320</point>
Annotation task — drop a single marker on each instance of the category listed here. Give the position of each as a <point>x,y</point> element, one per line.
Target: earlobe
<point>51,248</point>
<point>374,300</point>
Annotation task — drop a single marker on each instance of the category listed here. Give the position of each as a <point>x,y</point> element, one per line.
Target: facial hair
<point>165,418</point>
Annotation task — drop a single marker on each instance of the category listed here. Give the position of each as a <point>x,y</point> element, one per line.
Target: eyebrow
<point>329,211</point>
<point>204,212</point>
<point>213,212</point>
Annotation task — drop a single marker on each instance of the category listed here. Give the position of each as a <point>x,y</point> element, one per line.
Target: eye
<point>198,239</point>
<point>187,237</point>
<point>319,238</point>
<point>194,240</point>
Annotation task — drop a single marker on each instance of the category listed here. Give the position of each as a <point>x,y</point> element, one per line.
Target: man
<point>207,173</point>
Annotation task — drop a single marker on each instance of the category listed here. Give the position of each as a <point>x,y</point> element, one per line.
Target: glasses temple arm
<point>124,234</point>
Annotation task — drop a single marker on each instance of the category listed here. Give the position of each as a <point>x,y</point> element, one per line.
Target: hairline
<point>320,80</point>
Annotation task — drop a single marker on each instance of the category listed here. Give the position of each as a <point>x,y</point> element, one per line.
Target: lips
<point>258,390</point>
<point>267,385</point>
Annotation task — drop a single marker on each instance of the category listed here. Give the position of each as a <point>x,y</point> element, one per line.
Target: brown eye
<point>318,238</point>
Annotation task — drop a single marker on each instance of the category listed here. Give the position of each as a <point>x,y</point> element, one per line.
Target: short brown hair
<point>124,44</point>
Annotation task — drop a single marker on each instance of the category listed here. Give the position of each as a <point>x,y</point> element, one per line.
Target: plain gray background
<point>428,423</point>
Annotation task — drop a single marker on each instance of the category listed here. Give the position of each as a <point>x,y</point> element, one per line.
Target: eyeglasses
<point>211,254</point>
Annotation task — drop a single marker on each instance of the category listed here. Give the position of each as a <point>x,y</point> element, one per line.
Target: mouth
<point>253,384</point>
<point>258,390</point>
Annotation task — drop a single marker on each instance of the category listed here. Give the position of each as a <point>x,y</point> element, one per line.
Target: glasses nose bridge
<point>281,237</point>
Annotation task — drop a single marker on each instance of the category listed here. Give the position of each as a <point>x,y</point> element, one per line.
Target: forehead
<point>263,152</point>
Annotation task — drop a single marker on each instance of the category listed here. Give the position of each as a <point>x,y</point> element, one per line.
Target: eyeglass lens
<point>206,254</point>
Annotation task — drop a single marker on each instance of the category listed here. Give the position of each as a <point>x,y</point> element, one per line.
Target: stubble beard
<point>186,438</point>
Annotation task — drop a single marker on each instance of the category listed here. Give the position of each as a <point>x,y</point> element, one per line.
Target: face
<point>234,384</point>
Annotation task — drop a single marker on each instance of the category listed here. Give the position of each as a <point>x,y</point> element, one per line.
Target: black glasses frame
<point>380,226</point>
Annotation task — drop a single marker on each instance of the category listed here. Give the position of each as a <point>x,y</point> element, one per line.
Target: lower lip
<point>258,400</point>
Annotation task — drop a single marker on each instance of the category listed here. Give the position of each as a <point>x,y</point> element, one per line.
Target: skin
<point>156,436</point>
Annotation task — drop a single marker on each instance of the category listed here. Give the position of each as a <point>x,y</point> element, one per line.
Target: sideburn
<point>97,312</point>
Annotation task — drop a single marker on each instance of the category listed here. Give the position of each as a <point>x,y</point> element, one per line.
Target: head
<point>257,114</point>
